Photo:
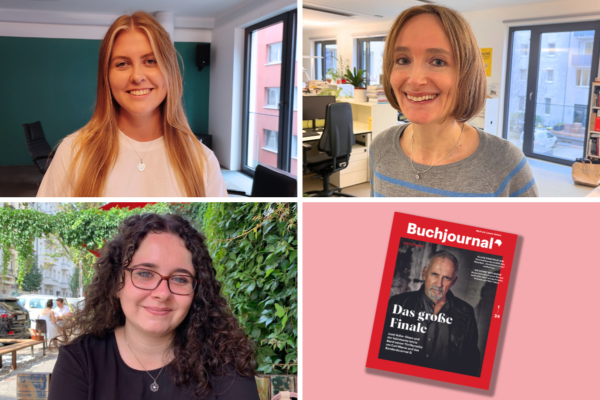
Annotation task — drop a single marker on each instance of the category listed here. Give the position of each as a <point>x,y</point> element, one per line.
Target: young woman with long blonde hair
<point>138,142</point>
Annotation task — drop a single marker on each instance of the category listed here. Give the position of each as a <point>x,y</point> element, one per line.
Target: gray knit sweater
<point>496,169</point>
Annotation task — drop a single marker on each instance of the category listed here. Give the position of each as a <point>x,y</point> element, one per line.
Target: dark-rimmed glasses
<point>147,279</point>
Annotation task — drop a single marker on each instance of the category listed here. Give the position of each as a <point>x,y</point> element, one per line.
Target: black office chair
<point>40,150</point>
<point>336,143</point>
<point>271,182</point>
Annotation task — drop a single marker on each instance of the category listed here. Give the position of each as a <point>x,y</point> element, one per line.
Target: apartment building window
<point>272,100</point>
<point>327,51</point>
<point>521,106</point>
<point>548,107</point>
<point>274,53</point>
<point>270,141</point>
<point>551,49</point>
<point>582,77</point>
<point>549,75</point>
<point>586,47</point>
<point>524,49</point>
<point>523,76</point>
<point>370,58</point>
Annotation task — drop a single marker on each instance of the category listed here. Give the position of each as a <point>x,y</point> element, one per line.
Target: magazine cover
<point>441,301</point>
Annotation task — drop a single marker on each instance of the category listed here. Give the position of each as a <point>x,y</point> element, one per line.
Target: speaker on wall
<point>202,55</point>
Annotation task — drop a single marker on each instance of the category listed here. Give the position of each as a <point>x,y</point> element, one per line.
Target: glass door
<point>551,68</point>
<point>270,87</point>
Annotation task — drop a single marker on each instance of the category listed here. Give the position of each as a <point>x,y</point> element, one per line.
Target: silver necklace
<point>154,385</point>
<point>141,166</point>
<point>412,142</point>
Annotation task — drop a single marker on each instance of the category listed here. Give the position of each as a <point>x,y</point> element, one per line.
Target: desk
<point>359,128</point>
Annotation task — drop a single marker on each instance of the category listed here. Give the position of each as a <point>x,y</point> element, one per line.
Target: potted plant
<point>335,76</point>
<point>357,79</point>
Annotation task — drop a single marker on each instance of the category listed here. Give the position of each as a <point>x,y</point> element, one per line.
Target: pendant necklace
<point>412,142</point>
<point>141,166</point>
<point>154,385</point>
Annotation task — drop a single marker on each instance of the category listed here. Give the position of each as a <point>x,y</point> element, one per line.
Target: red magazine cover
<point>441,301</point>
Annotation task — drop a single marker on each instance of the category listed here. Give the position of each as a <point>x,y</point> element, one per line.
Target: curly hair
<point>208,342</point>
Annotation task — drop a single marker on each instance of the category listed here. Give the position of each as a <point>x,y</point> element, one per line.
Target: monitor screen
<point>315,107</point>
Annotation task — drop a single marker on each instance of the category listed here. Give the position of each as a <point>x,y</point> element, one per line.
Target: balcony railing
<point>581,60</point>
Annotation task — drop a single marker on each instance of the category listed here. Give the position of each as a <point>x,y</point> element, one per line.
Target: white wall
<point>226,75</point>
<point>65,25</point>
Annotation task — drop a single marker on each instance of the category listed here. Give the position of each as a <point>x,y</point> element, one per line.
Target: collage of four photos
<point>176,212</point>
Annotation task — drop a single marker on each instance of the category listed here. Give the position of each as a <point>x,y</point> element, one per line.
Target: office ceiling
<point>386,10</point>
<point>181,8</point>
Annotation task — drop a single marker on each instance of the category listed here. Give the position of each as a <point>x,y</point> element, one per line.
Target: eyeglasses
<point>149,280</point>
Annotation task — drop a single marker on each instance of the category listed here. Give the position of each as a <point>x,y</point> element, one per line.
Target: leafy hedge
<point>255,248</point>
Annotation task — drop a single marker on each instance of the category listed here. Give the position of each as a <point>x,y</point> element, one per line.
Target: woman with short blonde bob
<point>433,72</point>
<point>138,142</point>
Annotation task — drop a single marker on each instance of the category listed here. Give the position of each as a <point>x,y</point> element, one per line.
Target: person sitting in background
<point>433,73</point>
<point>61,311</point>
<point>49,316</point>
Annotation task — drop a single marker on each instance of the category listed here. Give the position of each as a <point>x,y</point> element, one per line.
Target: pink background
<point>548,343</point>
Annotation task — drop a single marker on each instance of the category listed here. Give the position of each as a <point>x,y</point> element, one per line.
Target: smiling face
<point>136,81</point>
<point>424,74</point>
<point>157,312</point>
<point>439,277</point>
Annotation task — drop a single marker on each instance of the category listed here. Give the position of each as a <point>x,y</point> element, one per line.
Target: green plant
<point>356,79</point>
<point>255,248</point>
<point>33,280</point>
<point>333,73</point>
<point>331,92</point>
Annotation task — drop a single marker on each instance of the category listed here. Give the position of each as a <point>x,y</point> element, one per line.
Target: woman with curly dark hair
<point>154,323</point>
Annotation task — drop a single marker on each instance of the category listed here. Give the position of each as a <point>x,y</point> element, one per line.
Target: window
<point>370,58</point>
<point>549,75</point>
<point>521,103</point>
<point>524,49</point>
<point>268,93</point>
<point>548,108</point>
<point>294,146</point>
<point>327,51</point>
<point>585,47</point>
<point>272,97</point>
<point>523,75</point>
<point>270,140</point>
<point>551,49</point>
<point>582,77</point>
<point>275,53</point>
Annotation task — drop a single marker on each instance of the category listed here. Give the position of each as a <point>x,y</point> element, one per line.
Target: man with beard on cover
<point>445,346</point>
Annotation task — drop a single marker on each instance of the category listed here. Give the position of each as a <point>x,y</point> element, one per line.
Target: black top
<point>92,368</point>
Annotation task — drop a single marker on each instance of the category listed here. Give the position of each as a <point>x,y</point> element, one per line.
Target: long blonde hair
<point>97,146</point>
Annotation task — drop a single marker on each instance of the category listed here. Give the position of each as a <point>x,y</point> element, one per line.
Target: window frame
<point>321,73</point>
<point>363,58</point>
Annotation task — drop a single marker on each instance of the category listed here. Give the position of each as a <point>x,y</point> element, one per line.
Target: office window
<point>273,97</point>
<point>582,77</point>
<point>549,75</point>
<point>548,106</point>
<point>327,51</point>
<point>523,76</point>
<point>551,49</point>
<point>274,53</point>
<point>370,58</point>
<point>268,103</point>
<point>524,49</point>
<point>521,103</point>
<point>270,140</point>
<point>294,146</point>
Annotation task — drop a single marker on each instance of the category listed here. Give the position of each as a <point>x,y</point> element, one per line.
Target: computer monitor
<point>315,107</point>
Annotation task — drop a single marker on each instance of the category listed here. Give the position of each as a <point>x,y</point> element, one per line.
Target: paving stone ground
<point>25,363</point>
